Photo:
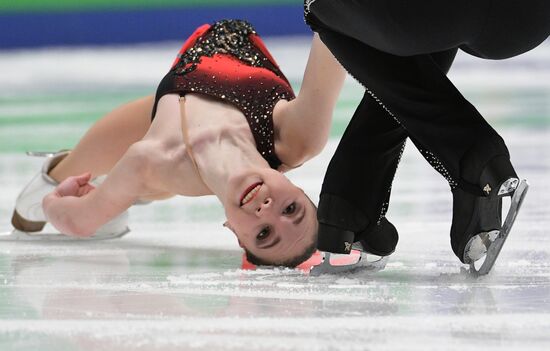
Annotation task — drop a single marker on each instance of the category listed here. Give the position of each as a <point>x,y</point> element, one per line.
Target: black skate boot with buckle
<point>477,229</point>
<point>343,228</point>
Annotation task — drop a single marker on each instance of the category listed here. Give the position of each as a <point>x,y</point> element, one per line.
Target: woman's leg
<point>107,140</point>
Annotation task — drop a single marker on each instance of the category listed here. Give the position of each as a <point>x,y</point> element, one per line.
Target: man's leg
<point>385,44</point>
<point>454,137</point>
<point>449,132</point>
<point>357,186</point>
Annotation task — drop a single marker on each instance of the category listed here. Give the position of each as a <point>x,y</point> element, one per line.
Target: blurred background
<point>31,23</point>
<point>65,63</point>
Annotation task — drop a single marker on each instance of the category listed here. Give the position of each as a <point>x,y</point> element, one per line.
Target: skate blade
<point>17,235</point>
<point>494,249</point>
<point>476,248</point>
<point>44,153</point>
<point>362,265</point>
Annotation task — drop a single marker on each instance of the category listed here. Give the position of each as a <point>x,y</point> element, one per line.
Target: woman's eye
<point>264,234</point>
<point>290,209</point>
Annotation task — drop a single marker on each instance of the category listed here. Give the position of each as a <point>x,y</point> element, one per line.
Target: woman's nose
<point>266,204</point>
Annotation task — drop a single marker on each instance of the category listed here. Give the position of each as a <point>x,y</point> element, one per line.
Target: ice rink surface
<point>175,282</point>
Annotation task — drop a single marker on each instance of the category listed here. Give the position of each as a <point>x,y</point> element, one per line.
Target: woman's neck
<point>224,156</point>
<point>222,145</point>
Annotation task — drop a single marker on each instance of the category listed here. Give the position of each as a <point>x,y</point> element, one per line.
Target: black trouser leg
<point>362,168</point>
<point>367,36</point>
<point>414,90</point>
<point>381,44</point>
<point>357,185</point>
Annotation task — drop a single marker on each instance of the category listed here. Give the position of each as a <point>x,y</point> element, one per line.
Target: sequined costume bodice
<point>229,61</point>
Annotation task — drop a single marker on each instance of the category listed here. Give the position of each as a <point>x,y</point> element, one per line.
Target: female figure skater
<point>401,51</point>
<point>225,122</point>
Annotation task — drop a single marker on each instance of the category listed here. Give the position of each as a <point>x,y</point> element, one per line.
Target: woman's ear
<point>228,226</point>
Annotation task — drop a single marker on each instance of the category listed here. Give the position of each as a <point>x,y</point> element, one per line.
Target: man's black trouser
<point>401,50</point>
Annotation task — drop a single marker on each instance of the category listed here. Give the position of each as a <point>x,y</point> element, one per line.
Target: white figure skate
<point>28,217</point>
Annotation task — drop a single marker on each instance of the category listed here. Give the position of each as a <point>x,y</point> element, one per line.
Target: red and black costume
<point>229,61</point>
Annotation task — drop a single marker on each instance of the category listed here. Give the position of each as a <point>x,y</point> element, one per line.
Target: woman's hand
<point>80,209</point>
<point>63,205</point>
<point>75,186</point>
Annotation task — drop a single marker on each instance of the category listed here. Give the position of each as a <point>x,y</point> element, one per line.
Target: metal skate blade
<point>16,235</point>
<point>362,265</point>
<point>44,153</point>
<point>508,186</point>
<point>40,153</point>
<point>477,246</point>
<point>494,249</point>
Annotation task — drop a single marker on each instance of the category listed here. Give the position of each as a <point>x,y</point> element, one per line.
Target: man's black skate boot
<point>379,239</point>
<point>477,220</point>
<point>343,227</point>
<point>498,178</point>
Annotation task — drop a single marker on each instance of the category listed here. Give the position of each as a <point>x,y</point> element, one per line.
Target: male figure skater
<point>401,50</point>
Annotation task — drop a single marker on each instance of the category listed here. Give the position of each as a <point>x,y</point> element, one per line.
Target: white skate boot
<point>28,216</point>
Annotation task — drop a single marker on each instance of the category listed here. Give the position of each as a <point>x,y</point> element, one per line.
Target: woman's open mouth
<point>250,193</point>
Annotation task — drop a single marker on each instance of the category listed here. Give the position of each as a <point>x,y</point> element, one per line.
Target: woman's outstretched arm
<point>306,120</point>
<point>77,208</point>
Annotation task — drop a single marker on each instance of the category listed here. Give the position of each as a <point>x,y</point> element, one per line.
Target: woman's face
<point>272,218</point>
